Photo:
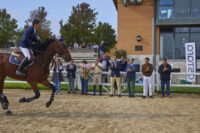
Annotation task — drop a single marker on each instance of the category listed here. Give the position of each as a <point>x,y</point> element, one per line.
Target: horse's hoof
<point>22,100</point>
<point>8,112</point>
<point>48,104</point>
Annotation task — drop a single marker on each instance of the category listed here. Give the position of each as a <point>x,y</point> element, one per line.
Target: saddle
<point>17,56</point>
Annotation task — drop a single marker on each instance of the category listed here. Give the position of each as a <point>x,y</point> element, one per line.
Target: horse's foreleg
<point>36,91</point>
<point>48,84</point>
<point>4,102</point>
<point>3,99</point>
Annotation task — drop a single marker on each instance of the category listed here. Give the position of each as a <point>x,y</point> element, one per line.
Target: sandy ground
<point>90,114</point>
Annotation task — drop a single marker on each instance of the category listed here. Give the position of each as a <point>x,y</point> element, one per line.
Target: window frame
<point>174,9</point>
<point>172,31</point>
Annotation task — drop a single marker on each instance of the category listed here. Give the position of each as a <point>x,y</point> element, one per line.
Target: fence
<point>156,79</point>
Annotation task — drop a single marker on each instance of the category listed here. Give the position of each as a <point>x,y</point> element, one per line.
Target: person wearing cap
<point>165,70</point>
<point>29,39</point>
<point>147,70</point>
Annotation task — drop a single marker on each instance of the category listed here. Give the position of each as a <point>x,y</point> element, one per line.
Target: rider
<point>28,39</point>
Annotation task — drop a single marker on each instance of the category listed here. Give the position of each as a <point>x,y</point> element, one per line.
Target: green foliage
<point>45,31</point>
<point>119,53</point>
<point>105,32</point>
<point>80,25</point>
<point>8,26</point>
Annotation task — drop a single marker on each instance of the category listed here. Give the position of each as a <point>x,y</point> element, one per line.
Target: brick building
<point>158,29</point>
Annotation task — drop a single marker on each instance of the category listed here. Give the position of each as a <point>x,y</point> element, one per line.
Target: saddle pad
<point>14,60</point>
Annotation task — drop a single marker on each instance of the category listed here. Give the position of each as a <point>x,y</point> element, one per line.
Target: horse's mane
<point>40,48</point>
<point>45,44</point>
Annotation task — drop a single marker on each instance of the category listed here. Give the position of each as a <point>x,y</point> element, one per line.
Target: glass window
<point>179,45</point>
<point>195,29</point>
<point>195,37</point>
<point>138,48</point>
<point>166,2</point>
<point>166,12</point>
<point>195,8</point>
<point>182,29</point>
<point>166,46</point>
<point>173,39</point>
<point>182,8</point>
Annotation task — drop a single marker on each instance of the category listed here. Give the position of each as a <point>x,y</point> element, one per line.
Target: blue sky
<point>59,9</point>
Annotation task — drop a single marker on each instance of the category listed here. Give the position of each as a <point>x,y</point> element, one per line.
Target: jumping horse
<point>38,72</point>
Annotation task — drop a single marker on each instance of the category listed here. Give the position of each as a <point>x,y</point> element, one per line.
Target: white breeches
<point>26,52</point>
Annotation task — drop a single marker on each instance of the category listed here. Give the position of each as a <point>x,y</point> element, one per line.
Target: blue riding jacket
<point>28,38</point>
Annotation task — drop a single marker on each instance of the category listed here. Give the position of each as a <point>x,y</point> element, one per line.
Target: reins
<point>38,58</point>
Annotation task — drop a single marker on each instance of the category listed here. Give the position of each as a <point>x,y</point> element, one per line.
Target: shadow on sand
<point>96,115</point>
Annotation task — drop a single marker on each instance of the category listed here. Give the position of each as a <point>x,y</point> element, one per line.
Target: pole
<point>154,44</point>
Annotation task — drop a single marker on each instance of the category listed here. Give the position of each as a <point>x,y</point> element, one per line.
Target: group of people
<point>97,48</point>
<point>116,66</point>
<point>101,64</point>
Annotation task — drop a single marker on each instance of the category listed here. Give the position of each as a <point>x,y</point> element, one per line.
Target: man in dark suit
<point>115,75</point>
<point>165,75</point>
<point>29,39</point>
<point>71,75</point>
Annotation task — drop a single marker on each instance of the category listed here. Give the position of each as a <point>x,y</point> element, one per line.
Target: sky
<point>58,9</point>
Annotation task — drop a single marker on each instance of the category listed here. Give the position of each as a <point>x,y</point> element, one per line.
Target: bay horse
<point>38,72</point>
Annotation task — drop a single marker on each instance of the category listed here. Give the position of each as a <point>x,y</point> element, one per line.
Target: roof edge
<point>115,3</point>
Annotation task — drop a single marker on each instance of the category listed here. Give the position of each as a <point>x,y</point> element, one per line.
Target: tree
<point>8,26</point>
<point>18,36</point>
<point>45,31</point>
<point>80,25</point>
<point>105,32</point>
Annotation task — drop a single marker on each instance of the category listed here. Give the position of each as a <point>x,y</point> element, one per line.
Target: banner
<point>190,51</point>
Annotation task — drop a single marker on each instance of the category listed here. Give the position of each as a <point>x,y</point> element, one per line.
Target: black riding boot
<point>100,90</point>
<point>21,67</point>
<point>94,90</point>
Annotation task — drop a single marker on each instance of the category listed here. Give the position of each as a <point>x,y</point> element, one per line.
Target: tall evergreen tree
<point>8,26</point>
<point>80,25</point>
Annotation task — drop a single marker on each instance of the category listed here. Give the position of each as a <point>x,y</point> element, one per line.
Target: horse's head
<point>62,50</point>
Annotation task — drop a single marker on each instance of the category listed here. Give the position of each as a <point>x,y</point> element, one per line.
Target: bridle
<point>61,45</point>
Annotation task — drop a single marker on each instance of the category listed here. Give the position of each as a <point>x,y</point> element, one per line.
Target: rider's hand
<point>33,43</point>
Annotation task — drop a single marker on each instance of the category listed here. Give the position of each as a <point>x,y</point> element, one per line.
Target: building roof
<point>115,3</point>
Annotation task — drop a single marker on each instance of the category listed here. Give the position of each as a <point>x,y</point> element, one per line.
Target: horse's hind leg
<point>36,91</point>
<point>48,84</point>
<point>3,99</point>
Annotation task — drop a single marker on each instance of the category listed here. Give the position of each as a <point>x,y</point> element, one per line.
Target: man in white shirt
<point>97,69</point>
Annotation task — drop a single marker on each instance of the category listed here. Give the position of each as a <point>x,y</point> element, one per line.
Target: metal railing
<point>105,86</point>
